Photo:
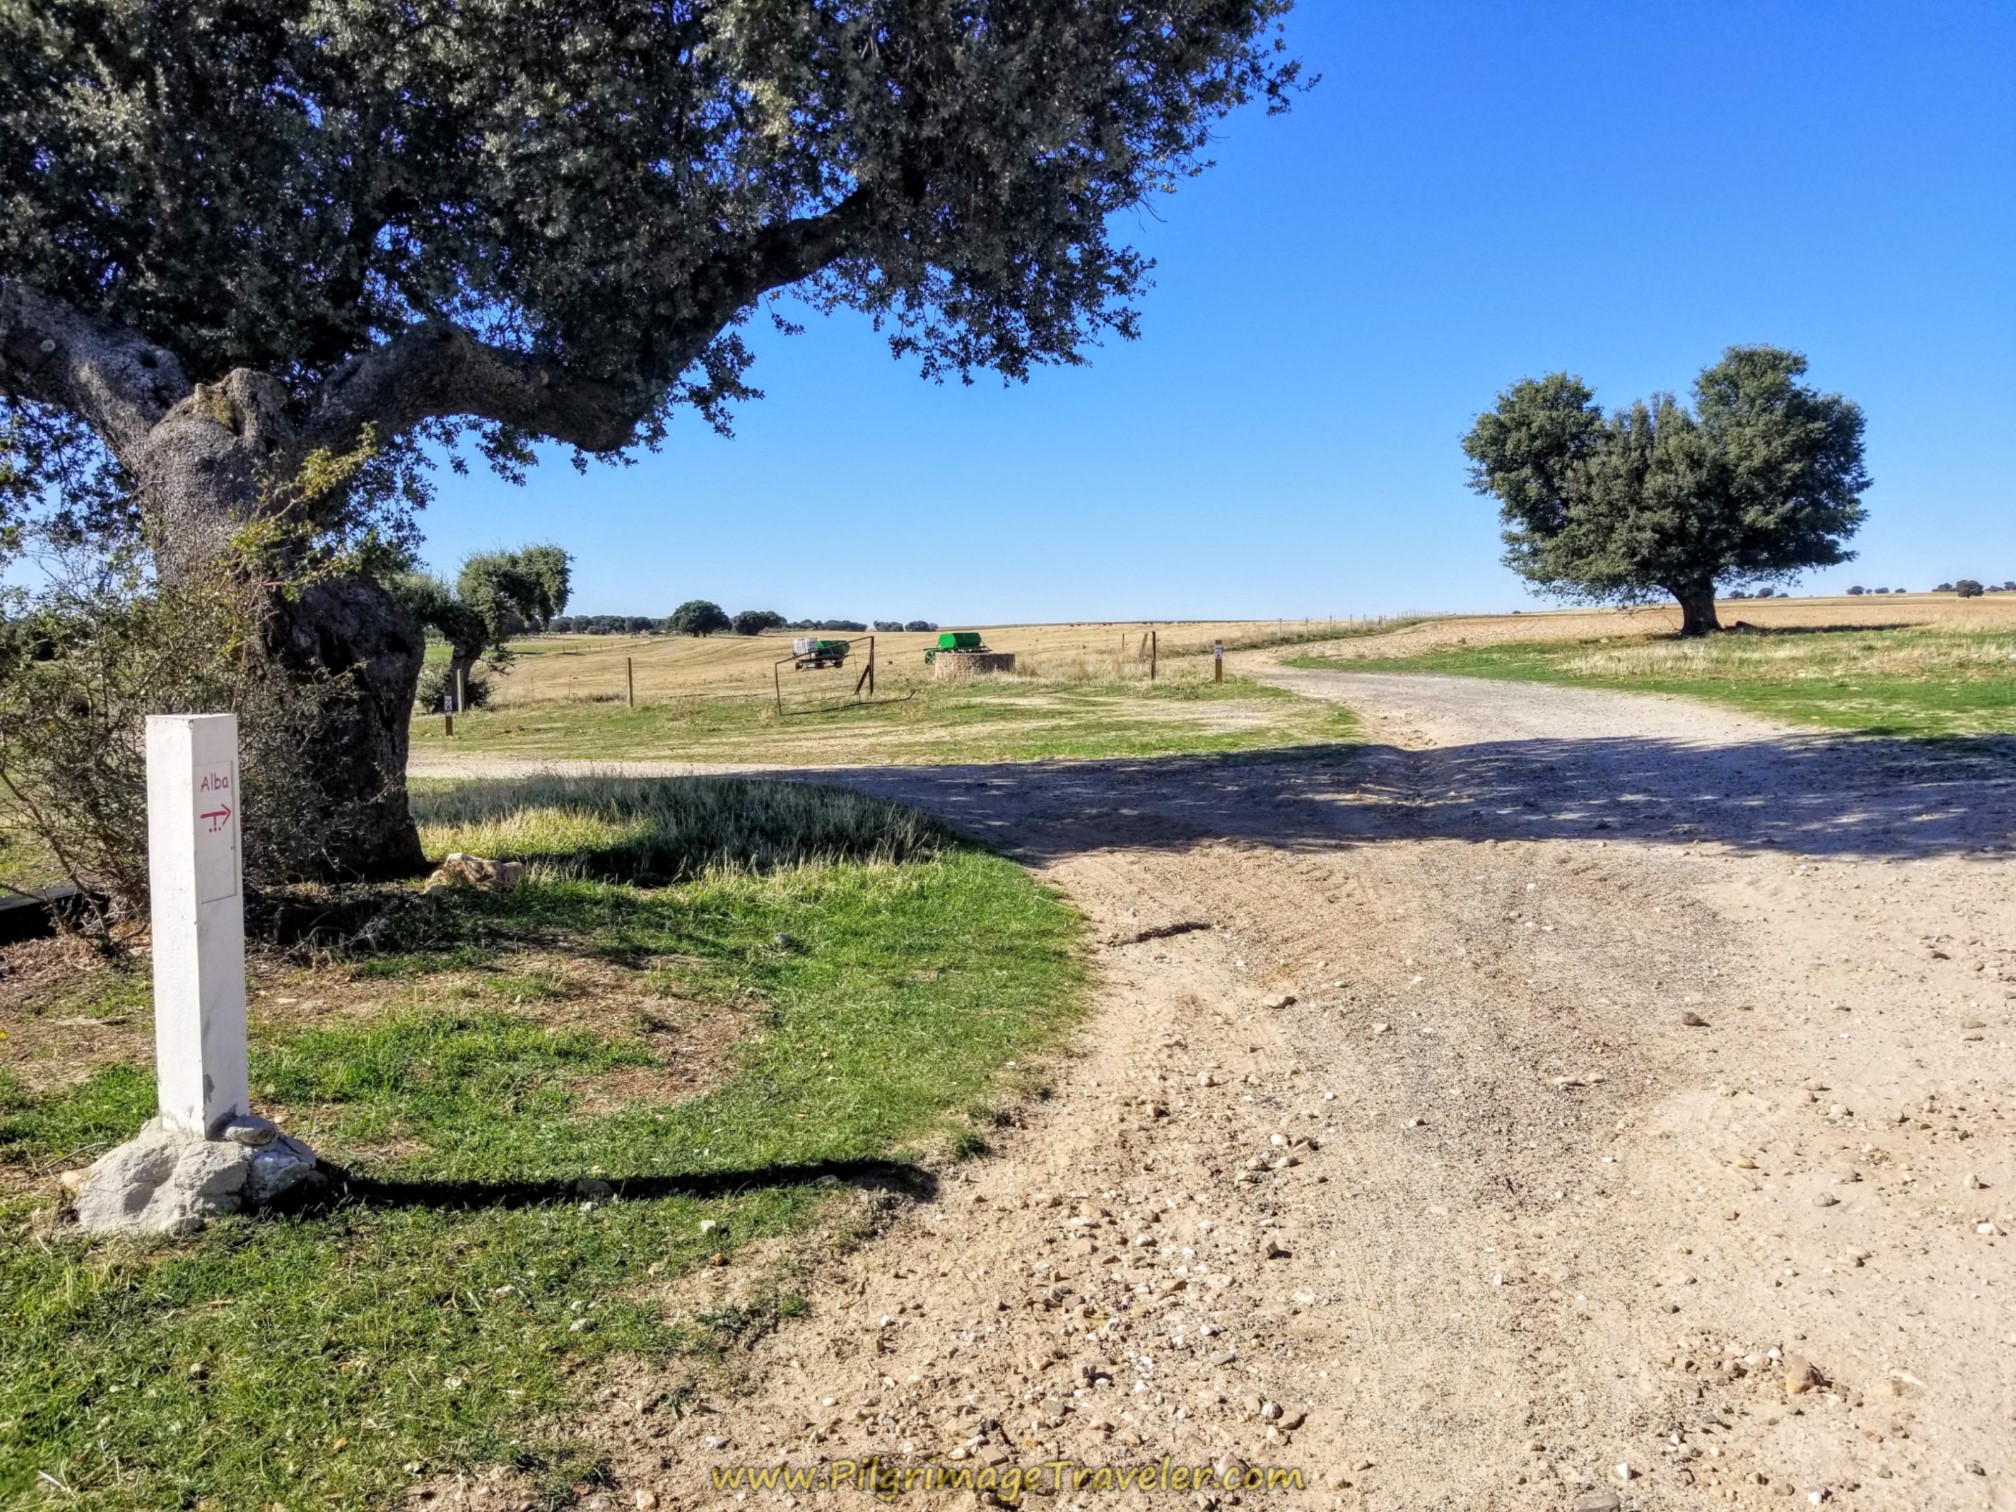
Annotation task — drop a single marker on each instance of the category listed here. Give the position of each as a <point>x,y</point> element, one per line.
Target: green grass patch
<point>464,1294</point>
<point>986,720</point>
<point>1905,681</point>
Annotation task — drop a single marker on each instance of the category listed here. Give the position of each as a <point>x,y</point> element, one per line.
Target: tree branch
<point>784,253</point>
<point>435,370</point>
<point>111,376</point>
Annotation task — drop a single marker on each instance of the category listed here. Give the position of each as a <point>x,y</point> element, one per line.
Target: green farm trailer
<point>809,651</point>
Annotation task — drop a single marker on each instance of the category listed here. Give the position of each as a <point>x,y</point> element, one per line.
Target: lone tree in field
<point>1761,480</point>
<point>239,241</point>
<point>698,617</point>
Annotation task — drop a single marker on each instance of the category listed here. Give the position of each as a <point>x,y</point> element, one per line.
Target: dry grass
<point>1451,632</point>
<point>1928,667</point>
<point>1921,654</point>
<point>633,830</point>
<point>587,669</point>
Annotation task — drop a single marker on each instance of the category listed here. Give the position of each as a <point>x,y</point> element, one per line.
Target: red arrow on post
<point>217,816</point>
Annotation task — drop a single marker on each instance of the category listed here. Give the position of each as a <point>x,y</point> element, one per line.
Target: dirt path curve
<point>1637,1130</point>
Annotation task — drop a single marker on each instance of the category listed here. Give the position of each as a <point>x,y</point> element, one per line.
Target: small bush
<point>1967,588</point>
<point>102,648</point>
<point>435,686</point>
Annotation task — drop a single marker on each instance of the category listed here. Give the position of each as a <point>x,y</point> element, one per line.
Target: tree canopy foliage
<point>1761,480</point>
<point>516,591</point>
<point>551,221</point>
<point>699,617</point>
<point>240,240</point>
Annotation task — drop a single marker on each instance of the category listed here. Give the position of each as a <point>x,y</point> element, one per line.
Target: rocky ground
<point>1571,1100</point>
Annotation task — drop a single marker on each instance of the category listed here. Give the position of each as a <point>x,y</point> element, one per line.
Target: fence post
<point>630,681</point>
<point>1154,647</point>
<point>1217,661</point>
<point>867,677</point>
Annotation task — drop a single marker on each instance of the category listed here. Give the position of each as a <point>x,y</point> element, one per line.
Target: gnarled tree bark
<point>1697,608</point>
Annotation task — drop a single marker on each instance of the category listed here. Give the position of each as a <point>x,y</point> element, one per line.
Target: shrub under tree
<point>1760,480</point>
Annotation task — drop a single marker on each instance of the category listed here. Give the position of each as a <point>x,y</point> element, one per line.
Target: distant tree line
<point>1965,587</point>
<point>702,617</point>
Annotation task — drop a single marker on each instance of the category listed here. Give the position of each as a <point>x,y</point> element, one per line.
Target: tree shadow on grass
<point>1772,632</point>
<point>349,1189</point>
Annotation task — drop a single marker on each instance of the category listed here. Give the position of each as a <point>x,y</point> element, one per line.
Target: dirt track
<point>1543,1227</point>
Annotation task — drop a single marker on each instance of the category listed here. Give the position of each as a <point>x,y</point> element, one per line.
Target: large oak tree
<point>235,234</point>
<point>1760,481</point>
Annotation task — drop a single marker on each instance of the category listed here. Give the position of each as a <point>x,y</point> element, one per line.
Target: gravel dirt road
<point>1574,1101</point>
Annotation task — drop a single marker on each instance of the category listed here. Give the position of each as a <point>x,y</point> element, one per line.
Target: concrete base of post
<point>171,1181</point>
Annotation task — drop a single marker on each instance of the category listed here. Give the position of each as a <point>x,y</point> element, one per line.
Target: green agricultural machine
<point>959,653</point>
<point>809,652</point>
<point>965,642</point>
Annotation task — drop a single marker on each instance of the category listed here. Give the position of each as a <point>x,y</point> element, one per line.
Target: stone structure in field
<point>955,664</point>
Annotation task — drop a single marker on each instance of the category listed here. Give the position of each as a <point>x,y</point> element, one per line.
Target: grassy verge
<point>1905,681</point>
<point>721,1050</point>
<point>989,719</point>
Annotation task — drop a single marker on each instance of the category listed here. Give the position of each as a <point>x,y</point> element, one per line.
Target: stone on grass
<point>475,871</point>
<point>169,1181</point>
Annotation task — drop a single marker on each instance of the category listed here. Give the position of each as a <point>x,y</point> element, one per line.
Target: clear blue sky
<point>1475,192</point>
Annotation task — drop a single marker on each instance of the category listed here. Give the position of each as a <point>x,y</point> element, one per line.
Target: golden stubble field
<point>590,668</point>
<point>1935,611</point>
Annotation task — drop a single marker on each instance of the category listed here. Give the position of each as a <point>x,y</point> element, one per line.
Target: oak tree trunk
<point>353,628</point>
<point>203,476</point>
<point>1697,608</point>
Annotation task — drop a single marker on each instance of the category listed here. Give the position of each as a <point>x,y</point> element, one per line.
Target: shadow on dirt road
<point>1809,796</point>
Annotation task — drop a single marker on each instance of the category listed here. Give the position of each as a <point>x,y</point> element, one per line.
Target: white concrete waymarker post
<point>206,1154</point>
<point>195,878</point>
